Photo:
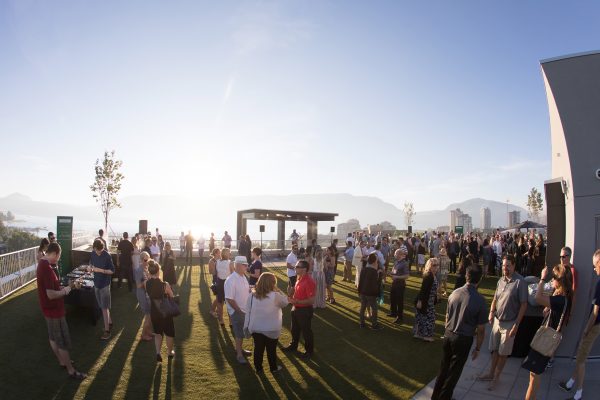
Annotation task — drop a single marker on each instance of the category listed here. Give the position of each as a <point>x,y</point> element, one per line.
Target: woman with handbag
<point>263,320</point>
<point>545,341</point>
<point>425,302</point>
<point>162,325</point>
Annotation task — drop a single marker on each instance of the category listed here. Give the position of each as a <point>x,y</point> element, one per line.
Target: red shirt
<point>47,279</point>
<point>304,289</point>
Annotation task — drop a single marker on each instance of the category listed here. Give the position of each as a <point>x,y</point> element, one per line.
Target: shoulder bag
<point>167,307</point>
<point>547,339</point>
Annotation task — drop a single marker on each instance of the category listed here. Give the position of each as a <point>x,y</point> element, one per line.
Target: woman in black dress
<point>168,267</point>
<point>157,289</point>
<point>558,306</point>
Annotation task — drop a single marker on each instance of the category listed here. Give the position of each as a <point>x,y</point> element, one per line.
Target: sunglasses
<point>146,260</point>
<point>565,256</point>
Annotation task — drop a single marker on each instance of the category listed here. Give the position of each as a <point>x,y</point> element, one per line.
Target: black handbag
<point>167,306</point>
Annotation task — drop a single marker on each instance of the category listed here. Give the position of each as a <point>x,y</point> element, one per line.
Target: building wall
<point>573,93</point>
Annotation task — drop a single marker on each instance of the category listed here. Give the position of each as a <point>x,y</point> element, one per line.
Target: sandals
<point>78,376</point>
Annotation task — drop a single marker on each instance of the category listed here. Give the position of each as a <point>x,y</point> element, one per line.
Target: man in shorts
<point>506,312</point>
<point>51,296</point>
<point>237,291</point>
<point>590,334</point>
<point>102,266</point>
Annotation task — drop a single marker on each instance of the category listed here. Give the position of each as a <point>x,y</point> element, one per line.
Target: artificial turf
<point>349,362</point>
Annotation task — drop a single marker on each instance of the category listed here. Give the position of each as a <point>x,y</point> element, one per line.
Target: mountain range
<point>221,211</point>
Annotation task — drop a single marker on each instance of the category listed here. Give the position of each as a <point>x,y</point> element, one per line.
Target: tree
<point>107,184</point>
<point>535,204</point>
<point>10,216</point>
<point>409,213</point>
<point>19,240</point>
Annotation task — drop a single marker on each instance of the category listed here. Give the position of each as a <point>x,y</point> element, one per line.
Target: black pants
<point>371,302</point>
<point>455,353</point>
<point>188,255</point>
<point>397,298</point>
<point>126,271</point>
<point>260,343</point>
<point>452,263</point>
<point>301,322</point>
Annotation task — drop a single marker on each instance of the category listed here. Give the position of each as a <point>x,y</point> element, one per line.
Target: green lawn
<point>349,362</point>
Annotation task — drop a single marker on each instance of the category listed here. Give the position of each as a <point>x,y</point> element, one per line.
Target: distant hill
<point>221,211</point>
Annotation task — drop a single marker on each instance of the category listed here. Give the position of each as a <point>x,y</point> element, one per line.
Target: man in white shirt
<point>155,250</point>
<point>226,240</point>
<point>290,262</point>
<point>237,291</point>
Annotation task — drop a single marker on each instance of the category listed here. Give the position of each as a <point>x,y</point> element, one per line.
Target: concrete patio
<point>514,380</point>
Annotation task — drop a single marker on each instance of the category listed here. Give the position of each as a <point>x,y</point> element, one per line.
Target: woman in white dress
<point>319,278</point>
<point>224,268</point>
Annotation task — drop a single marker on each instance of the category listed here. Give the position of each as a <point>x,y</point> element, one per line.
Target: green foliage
<point>535,204</point>
<point>107,184</point>
<point>19,240</point>
<point>3,231</point>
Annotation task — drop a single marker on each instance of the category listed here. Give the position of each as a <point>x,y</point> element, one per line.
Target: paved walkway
<point>514,381</point>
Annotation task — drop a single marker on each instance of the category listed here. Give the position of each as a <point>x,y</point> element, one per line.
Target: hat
<point>241,260</point>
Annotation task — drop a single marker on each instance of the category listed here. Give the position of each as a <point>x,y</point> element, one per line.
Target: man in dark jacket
<point>368,288</point>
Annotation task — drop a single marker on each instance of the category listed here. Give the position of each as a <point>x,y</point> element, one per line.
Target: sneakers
<point>563,386</point>
<point>306,355</point>
<point>172,354</point>
<point>246,352</point>
<point>399,321</point>
<point>105,335</point>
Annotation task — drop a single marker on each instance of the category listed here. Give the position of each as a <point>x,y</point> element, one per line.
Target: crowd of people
<point>254,302</point>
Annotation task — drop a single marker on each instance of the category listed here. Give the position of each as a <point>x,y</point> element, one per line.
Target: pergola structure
<point>311,219</point>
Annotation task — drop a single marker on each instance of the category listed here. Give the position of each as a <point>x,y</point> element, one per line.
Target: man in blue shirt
<point>102,266</point>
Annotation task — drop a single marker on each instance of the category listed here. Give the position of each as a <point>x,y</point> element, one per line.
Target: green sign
<point>64,236</point>
<point>458,229</point>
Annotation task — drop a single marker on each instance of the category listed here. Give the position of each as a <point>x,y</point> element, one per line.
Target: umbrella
<point>528,225</point>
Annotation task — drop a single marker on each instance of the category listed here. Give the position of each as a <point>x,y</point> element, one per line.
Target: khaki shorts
<point>500,341</point>
<point>58,332</point>
<point>586,344</point>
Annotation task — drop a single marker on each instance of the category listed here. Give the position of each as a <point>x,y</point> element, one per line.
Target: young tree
<point>535,204</point>
<point>409,213</point>
<point>107,184</point>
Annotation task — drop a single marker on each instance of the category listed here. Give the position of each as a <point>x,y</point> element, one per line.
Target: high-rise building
<point>458,218</point>
<point>486,218</point>
<point>514,218</point>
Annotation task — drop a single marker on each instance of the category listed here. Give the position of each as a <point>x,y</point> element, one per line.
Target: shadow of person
<point>157,381</point>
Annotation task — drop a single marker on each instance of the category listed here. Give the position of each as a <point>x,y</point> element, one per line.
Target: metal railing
<point>256,242</point>
<point>17,269</point>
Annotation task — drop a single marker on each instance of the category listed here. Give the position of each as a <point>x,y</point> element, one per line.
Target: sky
<point>430,102</point>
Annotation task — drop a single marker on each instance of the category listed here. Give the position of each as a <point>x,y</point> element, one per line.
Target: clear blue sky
<point>432,103</point>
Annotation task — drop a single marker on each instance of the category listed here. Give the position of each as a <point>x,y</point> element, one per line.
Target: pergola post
<point>281,234</point>
<point>311,231</point>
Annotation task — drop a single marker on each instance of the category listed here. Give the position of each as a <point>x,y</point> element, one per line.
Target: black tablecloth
<point>85,297</point>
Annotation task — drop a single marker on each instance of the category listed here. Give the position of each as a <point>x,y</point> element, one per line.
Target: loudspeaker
<point>410,229</point>
<point>332,229</point>
<point>261,228</point>
<point>143,227</point>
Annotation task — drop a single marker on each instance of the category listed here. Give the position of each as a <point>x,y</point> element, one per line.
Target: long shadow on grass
<point>183,327</point>
<point>223,348</point>
<point>143,367</point>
